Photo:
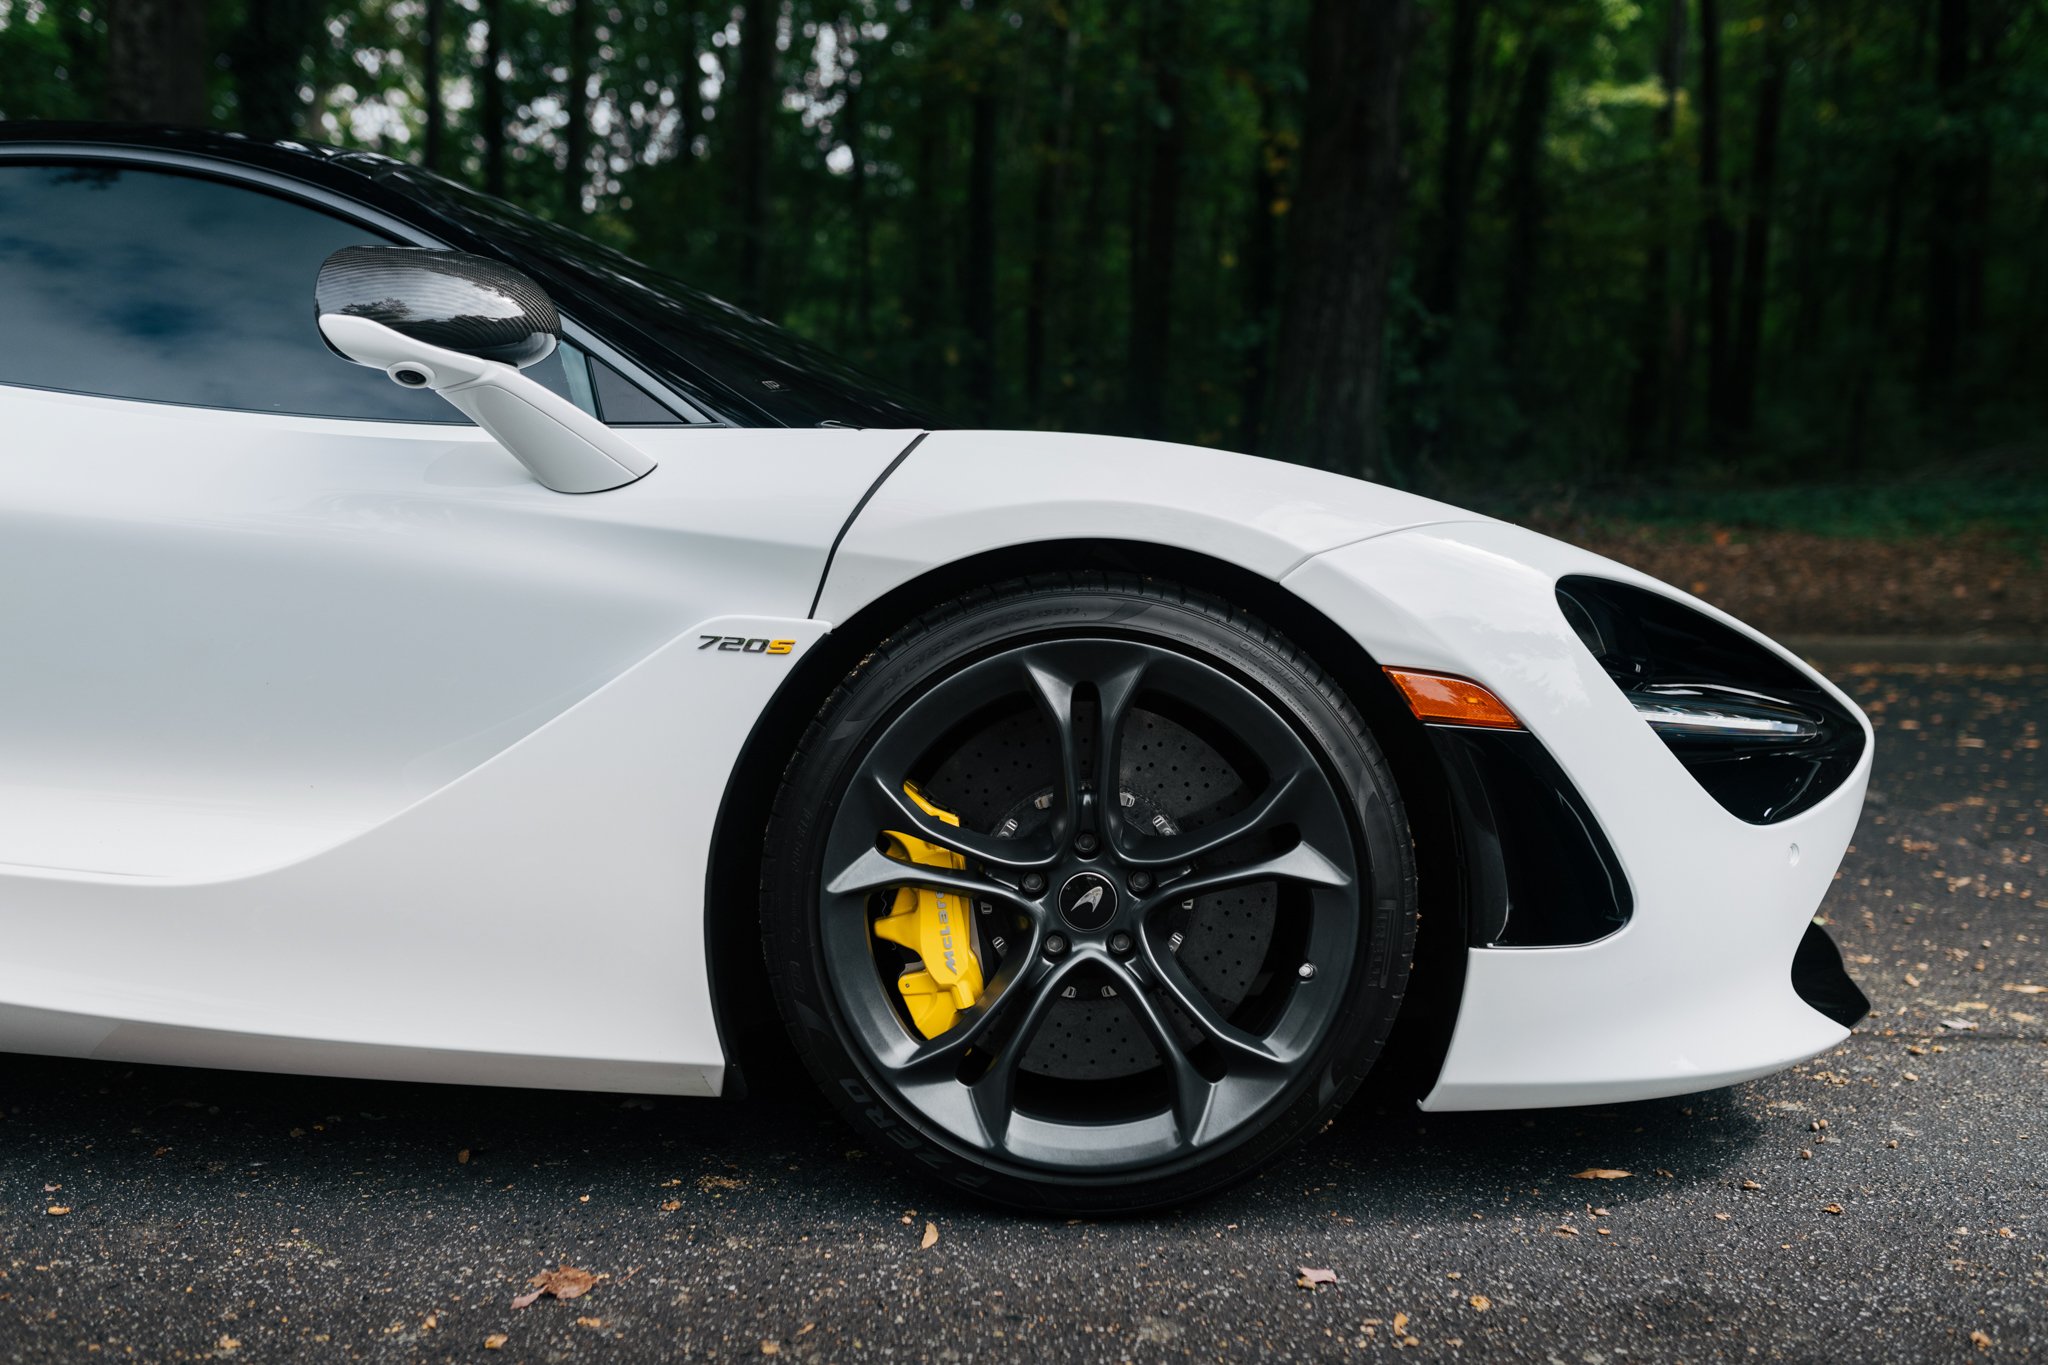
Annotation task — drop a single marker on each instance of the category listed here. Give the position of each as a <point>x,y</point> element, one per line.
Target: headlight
<point>1761,735</point>
<point>1692,713</point>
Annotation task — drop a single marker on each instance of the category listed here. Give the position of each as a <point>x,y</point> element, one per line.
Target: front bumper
<point>1696,990</point>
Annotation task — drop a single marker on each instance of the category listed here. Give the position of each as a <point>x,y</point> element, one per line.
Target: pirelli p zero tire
<point>1092,995</point>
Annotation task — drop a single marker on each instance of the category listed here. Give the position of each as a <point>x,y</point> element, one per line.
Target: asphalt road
<point>255,1218</point>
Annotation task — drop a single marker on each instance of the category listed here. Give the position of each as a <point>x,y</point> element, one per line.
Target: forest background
<point>1692,278</point>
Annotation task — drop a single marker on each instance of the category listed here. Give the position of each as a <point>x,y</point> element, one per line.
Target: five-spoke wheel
<point>1172,853</point>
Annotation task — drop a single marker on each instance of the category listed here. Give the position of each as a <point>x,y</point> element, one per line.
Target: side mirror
<point>464,326</point>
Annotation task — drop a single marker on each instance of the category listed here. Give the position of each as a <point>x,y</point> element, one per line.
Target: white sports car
<point>551,699</point>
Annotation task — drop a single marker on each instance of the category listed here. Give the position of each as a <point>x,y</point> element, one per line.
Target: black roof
<point>337,168</point>
<point>739,366</point>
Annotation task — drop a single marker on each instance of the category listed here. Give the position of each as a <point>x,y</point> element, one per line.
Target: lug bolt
<point>1033,883</point>
<point>1119,942</point>
<point>1307,971</point>
<point>1141,882</point>
<point>1055,944</point>
<point>1085,842</point>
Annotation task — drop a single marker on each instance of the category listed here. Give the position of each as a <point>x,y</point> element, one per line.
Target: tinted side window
<point>148,284</point>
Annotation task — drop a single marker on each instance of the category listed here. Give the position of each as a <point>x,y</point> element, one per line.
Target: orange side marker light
<point>1452,700</point>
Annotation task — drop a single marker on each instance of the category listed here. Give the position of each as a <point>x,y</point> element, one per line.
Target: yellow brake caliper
<point>936,925</point>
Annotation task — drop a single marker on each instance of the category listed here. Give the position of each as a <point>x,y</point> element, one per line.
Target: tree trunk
<point>265,59</point>
<point>1649,396</point>
<point>980,277</point>
<point>1880,291</point>
<point>1719,235</point>
<point>1756,227</point>
<point>1152,268</point>
<point>1326,403</point>
<point>1813,261</point>
<point>690,83</point>
<point>857,177</point>
<point>1525,200</point>
<point>156,61</point>
<point>1083,327</point>
<point>1456,172</point>
<point>576,100</point>
<point>926,306</point>
<point>430,79</point>
<point>753,92</point>
<point>1055,151</point>
<point>1262,255</point>
<point>492,105</point>
<point>1976,202</point>
<point>1945,224</point>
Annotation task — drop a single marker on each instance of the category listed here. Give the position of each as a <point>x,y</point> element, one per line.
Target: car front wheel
<point>1088,894</point>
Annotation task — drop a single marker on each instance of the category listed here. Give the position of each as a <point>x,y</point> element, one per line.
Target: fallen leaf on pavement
<point>1831,1208</point>
<point>565,1283</point>
<point>590,1322</point>
<point>1751,1185</point>
<point>58,1210</point>
<point>1960,1025</point>
<point>1400,1324</point>
<point>1480,1302</point>
<point>1982,1340</point>
<point>496,1341</point>
<point>771,1348</point>
<point>931,1237</point>
<point>1312,1277</point>
<point>2027,989</point>
<point>228,1344</point>
<point>462,1157</point>
<point>1601,1173</point>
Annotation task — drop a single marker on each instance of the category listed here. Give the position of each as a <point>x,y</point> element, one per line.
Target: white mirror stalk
<point>563,446</point>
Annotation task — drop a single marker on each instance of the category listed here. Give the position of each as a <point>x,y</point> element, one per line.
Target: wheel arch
<point>749,1031</point>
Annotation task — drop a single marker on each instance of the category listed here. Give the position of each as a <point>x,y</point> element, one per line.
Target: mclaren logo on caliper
<point>946,933</point>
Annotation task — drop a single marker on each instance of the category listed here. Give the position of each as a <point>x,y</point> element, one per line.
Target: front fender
<point>964,493</point>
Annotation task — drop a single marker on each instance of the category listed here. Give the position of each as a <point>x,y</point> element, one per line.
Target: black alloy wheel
<point>1181,968</point>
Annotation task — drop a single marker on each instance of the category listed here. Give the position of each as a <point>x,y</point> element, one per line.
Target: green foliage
<point>1526,380</point>
<point>50,62</point>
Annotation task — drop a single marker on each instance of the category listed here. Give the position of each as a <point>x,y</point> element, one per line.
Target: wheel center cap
<point>1087,901</point>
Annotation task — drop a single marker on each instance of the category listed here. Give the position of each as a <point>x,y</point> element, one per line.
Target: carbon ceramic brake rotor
<point>1000,779</point>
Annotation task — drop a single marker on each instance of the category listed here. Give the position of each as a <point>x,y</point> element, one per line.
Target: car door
<point>258,603</point>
